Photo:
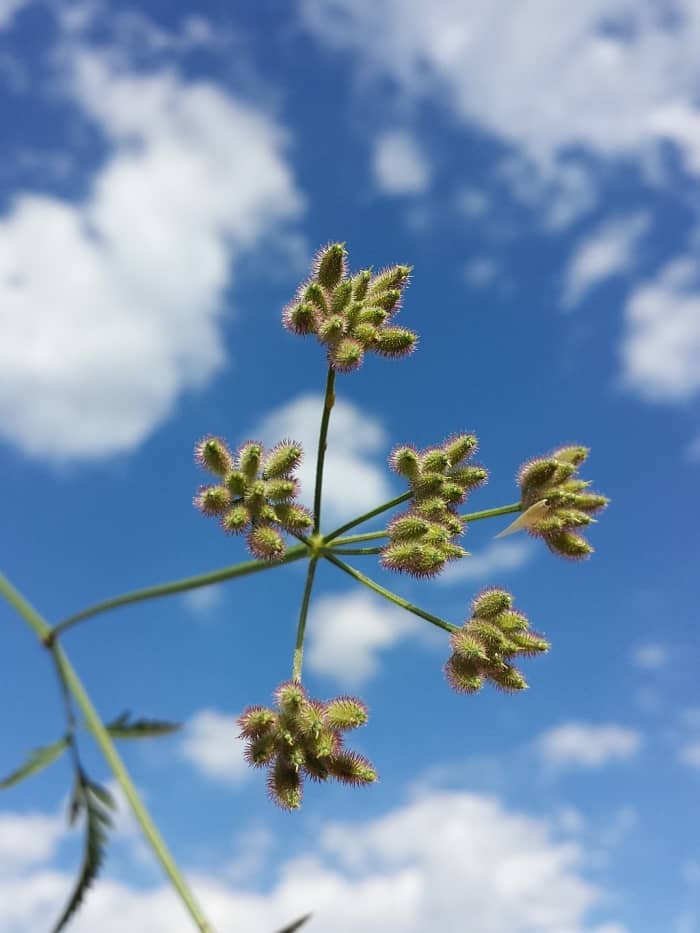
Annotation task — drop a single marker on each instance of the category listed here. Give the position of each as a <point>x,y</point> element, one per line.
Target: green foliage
<point>123,727</point>
<point>96,802</point>
<point>36,761</point>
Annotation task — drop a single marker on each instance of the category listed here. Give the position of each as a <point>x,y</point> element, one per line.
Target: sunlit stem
<point>328,403</point>
<point>404,497</point>
<point>387,594</point>
<point>301,627</point>
<point>179,586</point>
<point>468,518</point>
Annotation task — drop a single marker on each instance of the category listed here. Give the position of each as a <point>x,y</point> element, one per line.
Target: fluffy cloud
<point>27,839</point>
<point>497,556</point>
<point>113,306</point>
<point>424,866</point>
<point>661,344</point>
<point>8,11</point>
<point>609,77</point>
<point>607,251</point>
<point>352,482</point>
<point>583,745</point>
<point>480,271</point>
<point>399,164</point>
<point>346,634</point>
<point>211,744</point>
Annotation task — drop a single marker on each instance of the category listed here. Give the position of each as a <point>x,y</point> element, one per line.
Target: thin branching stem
<point>178,586</point>
<point>397,500</point>
<point>468,517</point>
<point>387,594</point>
<point>328,403</point>
<point>357,550</point>
<point>301,627</point>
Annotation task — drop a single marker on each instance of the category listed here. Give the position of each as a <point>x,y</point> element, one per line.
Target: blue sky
<point>168,171</point>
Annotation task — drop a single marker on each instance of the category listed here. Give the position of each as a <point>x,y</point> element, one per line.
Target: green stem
<point>74,685</point>
<point>357,550</point>
<point>468,518</point>
<point>178,586</point>
<point>328,403</point>
<point>404,497</point>
<point>387,594</point>
<point>491,513</point>
<point>301,627</point>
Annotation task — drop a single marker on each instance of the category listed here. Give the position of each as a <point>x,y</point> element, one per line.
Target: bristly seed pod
<point>554,501</point>
<point>256,494</point>
<point>330,265</point>
<point>301,738</point>
<point>349,315</point>
<point>213,454</point>
<point>484,647</point>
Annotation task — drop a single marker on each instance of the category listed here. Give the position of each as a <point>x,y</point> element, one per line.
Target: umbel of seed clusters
<point>303,737</point>
<point>255,493</point>
<point>484,648</point>
<point>556,504</point>
<point>422,540</point>
<point>351,316</point>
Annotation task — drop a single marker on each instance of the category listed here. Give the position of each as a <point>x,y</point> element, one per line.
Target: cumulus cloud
<point>399,164</point>
<point>113,306</point>
<point>352,481</point>
<point>348,632</point>
<point>211,744</point>
<point>497,556</point>
<point>27,839</point>
<point>611,78</point>
<point>607,251</point>
<point>423,866</point>
<point>585,745</point>
<point>660,346</point>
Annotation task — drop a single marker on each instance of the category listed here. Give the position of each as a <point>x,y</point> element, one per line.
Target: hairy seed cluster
<point>488,641</point>
<point>255,493</point>
<point>421,540</point>
<point>556,504</point>
<point>303,737</point>
<point>350,315</point>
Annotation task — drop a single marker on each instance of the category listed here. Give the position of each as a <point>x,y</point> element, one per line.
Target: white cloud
<point>651,655</point>
<point>27,839</point>
<point>210,743</point>
<point>497,556</point>
<point>347,633</point>
<point>690,754</point>
<point>611,78</point>
<point>607,251</point>
<point>661,345</point>
<point>584,745</point>
<point>9,9</point>
<point>352,482</point>
<point>204,600</point>
<point>114,306</point>
<point>399,164</point>
<point>480,271</point>
<point>423,866</point>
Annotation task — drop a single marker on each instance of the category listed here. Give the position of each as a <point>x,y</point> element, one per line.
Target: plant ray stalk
<point>328,403</point>
<point>468,517</point>
<point>178,586</point>
<point>387,594</point>
<point>301,628</point>
<point>404,497</point>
